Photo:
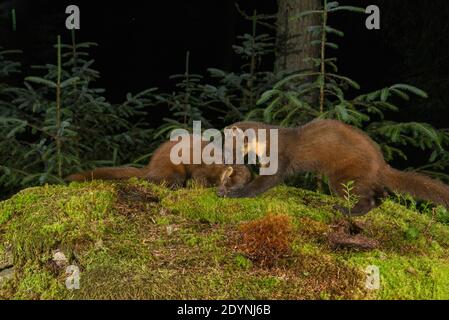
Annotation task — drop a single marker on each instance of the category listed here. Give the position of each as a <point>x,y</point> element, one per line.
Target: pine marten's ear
<point>227,173</point>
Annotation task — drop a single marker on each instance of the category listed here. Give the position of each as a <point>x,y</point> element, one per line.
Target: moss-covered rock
<point>135,240</point>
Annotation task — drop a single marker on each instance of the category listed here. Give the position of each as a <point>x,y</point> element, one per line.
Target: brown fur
<point>344,154</point>
<point>162,170</point>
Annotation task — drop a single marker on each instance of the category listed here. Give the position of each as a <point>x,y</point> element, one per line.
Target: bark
<point>293,44</point>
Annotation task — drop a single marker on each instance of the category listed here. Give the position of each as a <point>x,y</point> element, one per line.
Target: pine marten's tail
<point>107,174</point>
<point>416,185</point>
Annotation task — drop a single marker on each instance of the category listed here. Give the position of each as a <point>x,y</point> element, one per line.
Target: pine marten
<point>342,153</point>
<point>162,170</point>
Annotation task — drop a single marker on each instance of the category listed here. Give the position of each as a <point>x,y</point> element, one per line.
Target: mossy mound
<point>135,240</point>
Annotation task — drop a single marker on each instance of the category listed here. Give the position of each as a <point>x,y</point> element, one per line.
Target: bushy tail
<point>107,174</point>
<point>416,185</point>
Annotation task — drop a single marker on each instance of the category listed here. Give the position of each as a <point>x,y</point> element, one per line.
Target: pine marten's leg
<point>363,206</point>
<point>173,177</point>
<point>365,193</point>
<point>173,181</point>
<point>206,176</point>
<point>256,187</point>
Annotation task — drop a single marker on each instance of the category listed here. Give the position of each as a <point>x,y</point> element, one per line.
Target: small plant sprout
<point>349,197</point>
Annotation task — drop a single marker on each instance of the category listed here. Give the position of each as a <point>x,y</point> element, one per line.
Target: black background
<point>143,42</point>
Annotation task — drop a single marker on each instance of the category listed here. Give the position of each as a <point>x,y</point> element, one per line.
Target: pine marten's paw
<point>239,193</point>
<point>222,192</point>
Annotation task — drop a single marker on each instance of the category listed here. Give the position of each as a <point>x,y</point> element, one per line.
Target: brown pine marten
<point>343,153</point>
<point>162,170</point>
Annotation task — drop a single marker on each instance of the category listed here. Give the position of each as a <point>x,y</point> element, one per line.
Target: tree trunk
<point>294,39</point>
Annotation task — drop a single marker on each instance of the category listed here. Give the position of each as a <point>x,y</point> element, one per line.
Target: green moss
<point>36,283</point>
<point>406,231</point>
<point>408,277</point>
<point>243,262</point>
<point>203,205</point>
<point>136,240</point>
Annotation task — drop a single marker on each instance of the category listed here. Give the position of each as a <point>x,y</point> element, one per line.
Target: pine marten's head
<point>256,141</point>
<point>245,135</point>
<point>232,178</point>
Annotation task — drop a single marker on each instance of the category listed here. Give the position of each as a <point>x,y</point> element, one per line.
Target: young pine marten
<point>342,153</point>
<point>162,170</point>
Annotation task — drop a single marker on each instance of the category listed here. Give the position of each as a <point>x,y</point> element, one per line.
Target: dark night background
<point>143,42</point>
